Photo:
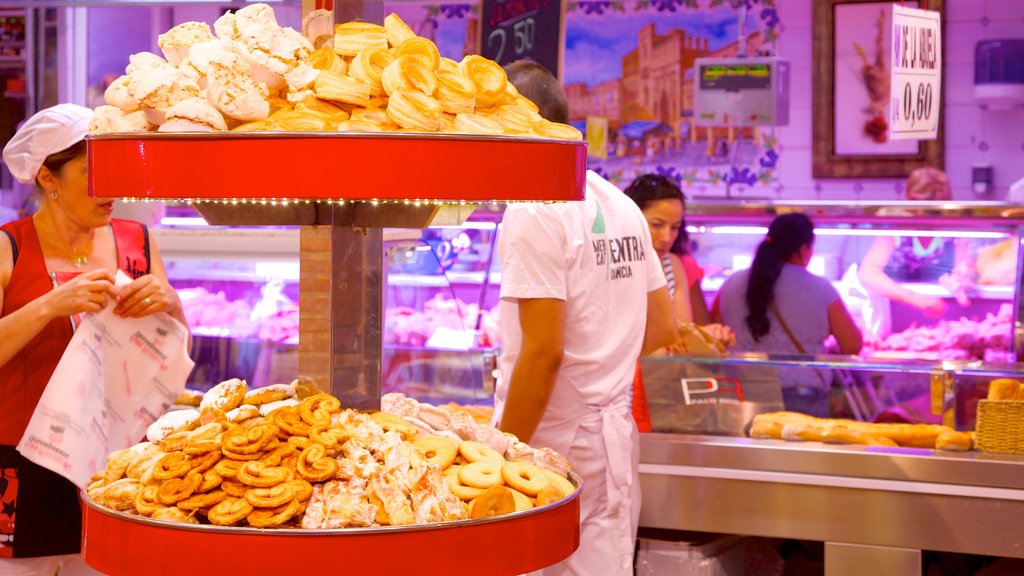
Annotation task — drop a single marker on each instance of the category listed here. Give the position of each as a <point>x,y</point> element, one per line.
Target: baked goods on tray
<point>310,463</point>
<point>797,427</point>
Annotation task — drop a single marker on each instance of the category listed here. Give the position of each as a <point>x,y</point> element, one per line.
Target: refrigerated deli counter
<point>875,507</point>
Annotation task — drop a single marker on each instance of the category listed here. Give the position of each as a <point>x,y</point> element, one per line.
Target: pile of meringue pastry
<point>264,458</point>
<point>251,74</point>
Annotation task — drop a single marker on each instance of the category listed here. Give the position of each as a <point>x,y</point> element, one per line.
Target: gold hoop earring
<point>53,194</point>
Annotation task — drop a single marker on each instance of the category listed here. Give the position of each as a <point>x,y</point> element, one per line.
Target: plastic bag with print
<point>707,398</point>
<point>115,378</point>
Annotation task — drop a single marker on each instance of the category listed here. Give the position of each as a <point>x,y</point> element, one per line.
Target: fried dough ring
<point>271,517</point>
<point>561,482</point>
<point>177,489</point>
<point>314,408</point>
<point>460,490</point>
<point>229,511</point>
<point>271,497</point>
<point>289,420</point>
<point>250,440</point>
<point>315,466</point>
<point>206,461</point>
<point>494,501</point>
<point>437,450</point>
<point>477,124</point>
<point>234,488</point>
<point>408,74</point>
<point>456,93</point>
<point>351,38</point>
<point>173,465</point>
<point>548,494</point>
<point>396,30</point>
<point>525,477</point>
<point>258,475</point>
<point>523,501</point>
<point>146,501</point>
<point>200,501</point>
<point>476,452</point>
<point>228,468</point>
<point>490,79</point>
<point>368,66</point>
<point>483,474</point>
<point>423,49</point>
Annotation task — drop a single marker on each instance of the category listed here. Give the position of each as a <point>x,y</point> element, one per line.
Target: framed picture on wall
<point>851,92</point>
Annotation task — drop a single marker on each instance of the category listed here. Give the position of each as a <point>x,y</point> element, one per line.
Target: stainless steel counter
<point>885,504</point>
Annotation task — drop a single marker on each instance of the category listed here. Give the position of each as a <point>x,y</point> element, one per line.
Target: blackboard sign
<point>516,29</point>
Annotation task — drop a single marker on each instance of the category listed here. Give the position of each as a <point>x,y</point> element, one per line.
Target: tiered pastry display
<point>797,427</point>
<point>250,74</point>
<point>265,458</point>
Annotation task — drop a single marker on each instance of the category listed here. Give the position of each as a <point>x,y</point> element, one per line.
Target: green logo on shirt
<point>598,227</point>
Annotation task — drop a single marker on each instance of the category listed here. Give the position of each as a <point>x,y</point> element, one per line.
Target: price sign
<point>511,30</point>
<point>915,74</point>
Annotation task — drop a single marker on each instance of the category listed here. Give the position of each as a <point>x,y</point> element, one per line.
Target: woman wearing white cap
<point>54,266</point>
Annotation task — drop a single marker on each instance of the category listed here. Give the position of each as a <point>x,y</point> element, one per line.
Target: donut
<point>243,413</point>
<point>200,501</point>
<point>173,465</point>
<point>315,466</point>
<point>211,480</point>
<point>561,482</point>
<point>227,467</point>
<point>257,475</point>
<point>476,452</point>
<point>482,474</point>
<point>523,501</point>
<point>437,450</point>
<point>494,501</point>
<point>456,93</point>
<point>170,423</point>
<point>368,67</point>
<point>271,497</point>
<point>189,398</point>
<point>477,124</point>
<point>422,49</point>
<point>526,478</point>
<point>303,489</point>
<point>408,74</point>
<point>460,490</point>
<point>234,488</point>
<point>267,409</point>
<point>203,462</point>
<point>146,501</point>
<point>177,489</point>
<point>175,514</point>
<point>351,38</point>
<point>396,30</point>
<point>270,517</point>
<point>225,396</point>
<point>549,494</point>
<point>317,409</point>
<point>394,423</point>
<point>229,511</point>
<point>268,394</point>
<point>490,79</point>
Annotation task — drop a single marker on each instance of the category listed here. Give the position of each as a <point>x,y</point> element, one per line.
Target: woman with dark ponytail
<point>777,306</point>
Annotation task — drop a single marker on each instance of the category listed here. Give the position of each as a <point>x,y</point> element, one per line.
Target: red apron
<point>46,504</point>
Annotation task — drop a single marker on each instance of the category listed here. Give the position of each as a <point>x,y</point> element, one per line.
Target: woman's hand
<point>721,333</point>
<point>930,305</point>
<point>88,292</point>
<point>144,296</point>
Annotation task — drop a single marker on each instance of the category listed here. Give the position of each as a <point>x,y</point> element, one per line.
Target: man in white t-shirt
<point>582,295</point>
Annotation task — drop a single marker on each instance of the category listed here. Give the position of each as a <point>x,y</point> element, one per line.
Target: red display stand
<point>120,544</point>
<point>322,166</point>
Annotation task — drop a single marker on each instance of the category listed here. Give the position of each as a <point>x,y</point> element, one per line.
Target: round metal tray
<point>120,544</point>
<point>336,166</point>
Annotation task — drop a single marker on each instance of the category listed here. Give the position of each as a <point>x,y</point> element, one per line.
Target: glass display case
<point>965,254</point>
<point>239,289</point>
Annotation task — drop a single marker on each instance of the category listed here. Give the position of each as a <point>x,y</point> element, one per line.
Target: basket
<point>1001,426</point>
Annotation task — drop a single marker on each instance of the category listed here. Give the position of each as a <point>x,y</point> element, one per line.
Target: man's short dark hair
<point>539,85</point>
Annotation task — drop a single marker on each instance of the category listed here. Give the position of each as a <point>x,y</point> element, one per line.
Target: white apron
<point>604,446</point>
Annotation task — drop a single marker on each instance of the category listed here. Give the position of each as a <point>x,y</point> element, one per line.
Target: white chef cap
<point>47,132</point>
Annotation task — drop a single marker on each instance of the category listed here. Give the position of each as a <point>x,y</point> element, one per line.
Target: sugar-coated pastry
<point>414,110</point>
<point>233,91</point>
<point>351,38</point>
<point>396,30</point>
<point>110,119</point>
<point>145,61</point>
<point>175,43</point>
<point>117,94</point>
